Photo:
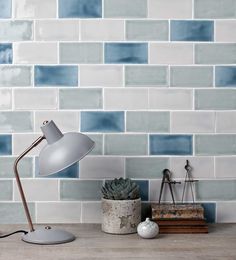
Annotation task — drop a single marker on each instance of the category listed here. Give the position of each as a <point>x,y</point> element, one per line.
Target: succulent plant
<point>120,189</point>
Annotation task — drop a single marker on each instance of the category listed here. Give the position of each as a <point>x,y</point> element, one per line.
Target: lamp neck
<point>51,132</point>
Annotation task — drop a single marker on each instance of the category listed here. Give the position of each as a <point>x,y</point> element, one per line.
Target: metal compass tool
<point>166,179</point>
<point>188,179</point>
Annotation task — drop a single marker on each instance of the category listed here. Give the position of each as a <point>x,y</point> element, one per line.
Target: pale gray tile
<point>6,190</point>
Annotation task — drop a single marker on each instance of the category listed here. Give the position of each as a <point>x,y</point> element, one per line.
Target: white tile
<point>57,30</point>
<point>132,99</point>
<point>101,168</point>
<point>5,99</point>
<point>35,9</point>
<point>38,190</point>
<point>225,212</point>
<point>36,98</point>
<point>170,9</point>
<point>225,167</point>
<point>202,167</point>
<point>171,99</point>
<point>58,212</point>
<point>225,31</point>
<point>102,30</point>
<point>67,121</point>
<point>31,53</point>
<point>171,53</point>
<point>192,122</point>
<point>155,186</point>
<point>104,76</point>
<point>23,141</point>
<point>226,122</point>
<point>91,212</point>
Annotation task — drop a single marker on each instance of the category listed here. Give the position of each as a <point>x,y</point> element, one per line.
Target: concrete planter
<point>121,216</point>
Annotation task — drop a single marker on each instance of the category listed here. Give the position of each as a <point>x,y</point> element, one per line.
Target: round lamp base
<point>48,236</point>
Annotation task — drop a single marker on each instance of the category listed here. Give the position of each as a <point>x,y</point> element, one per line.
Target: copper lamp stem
<point>35,143</point>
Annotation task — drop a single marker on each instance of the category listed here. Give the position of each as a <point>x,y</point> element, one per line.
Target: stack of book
<point>179,218</point>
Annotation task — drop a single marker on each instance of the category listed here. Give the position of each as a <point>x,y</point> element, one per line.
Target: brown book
<point>177,211</point>
<point>180,222</point>
<point>183,229</point>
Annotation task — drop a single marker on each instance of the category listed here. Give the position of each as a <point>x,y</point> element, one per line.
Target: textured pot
<point>121,216</point>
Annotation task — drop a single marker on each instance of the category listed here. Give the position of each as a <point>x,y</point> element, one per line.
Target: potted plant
<point>121,206</point>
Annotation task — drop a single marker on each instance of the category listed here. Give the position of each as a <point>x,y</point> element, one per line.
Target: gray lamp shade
<point>62,150</point>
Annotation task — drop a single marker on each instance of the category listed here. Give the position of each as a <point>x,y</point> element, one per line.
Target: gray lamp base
<point>48,236</point>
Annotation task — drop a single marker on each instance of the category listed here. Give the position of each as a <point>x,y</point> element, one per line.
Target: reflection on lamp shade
<point>62,150</point>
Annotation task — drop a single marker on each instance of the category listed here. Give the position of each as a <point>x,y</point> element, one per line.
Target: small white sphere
<point>148,229</point>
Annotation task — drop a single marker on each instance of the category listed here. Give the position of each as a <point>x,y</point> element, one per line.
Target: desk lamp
<point>61,151</point>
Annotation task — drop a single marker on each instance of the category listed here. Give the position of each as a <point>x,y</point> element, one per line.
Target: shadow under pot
<point>121,216</point>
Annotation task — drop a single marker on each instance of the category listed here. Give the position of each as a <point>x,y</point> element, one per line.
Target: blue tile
<point>192,31</point>
<point>144,187</point>
<point>225,76</point>
<point>5,144</point>
<point>80,8</point>
<point>5,53</point>
<point>171,145</point>
<point>5,9</point>
<point>209,212</point>
<point>126,53</point>
<point>102,121</point>
<point>56,76</point>
<point>70,172</point>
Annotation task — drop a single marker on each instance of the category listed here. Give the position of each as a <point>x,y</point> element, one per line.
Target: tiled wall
<point>151,81</point>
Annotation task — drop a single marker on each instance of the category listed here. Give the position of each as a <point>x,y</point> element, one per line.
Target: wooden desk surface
<point>92,244</point>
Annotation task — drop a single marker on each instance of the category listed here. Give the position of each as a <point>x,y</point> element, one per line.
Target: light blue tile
<point>70,172</point>
<point>146,75</point>
<point>102,121</point>
<point>5,144</point>
<point>126,53</point>
<point>125,9</point>
<point>80,190</point>
<point>225,76</point>
<point>145,167</point>
<point>56,76</point>
<point>5,9</point>
<point>13,213</point>
<point>216,190</point>
<point>215,99</point>
<point>216,9</point>
<point>143,188</point>
<point>171,145</point>
<point>98,139</point>
<point>209,212</point>
<point>147,30</point>
<point>157,122</point>
<point>192,30</point>
<point>5,53</point>
<point>80,98</point>
<point>78,53</point>
<point>25,167</point>
<point>6,188</point>
<point>80,8</point>
<point>220,144</point>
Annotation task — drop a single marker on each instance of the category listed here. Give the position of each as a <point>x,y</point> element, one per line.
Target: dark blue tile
<point>225,76</point>
<point>102,121</point>
<point>5,53</point>
<point>56,76</point>
<point>210,212</point>
<point>5,144</point>
<point>171,145</point>
<point>144,187</point>
<point>126,53</point>
<point>5,9</point>
<point>70,172</point>
<point>192,31</point>
<point>80,8</point>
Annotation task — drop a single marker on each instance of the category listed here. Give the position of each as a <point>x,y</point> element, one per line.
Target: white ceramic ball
<point>148,229</point>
